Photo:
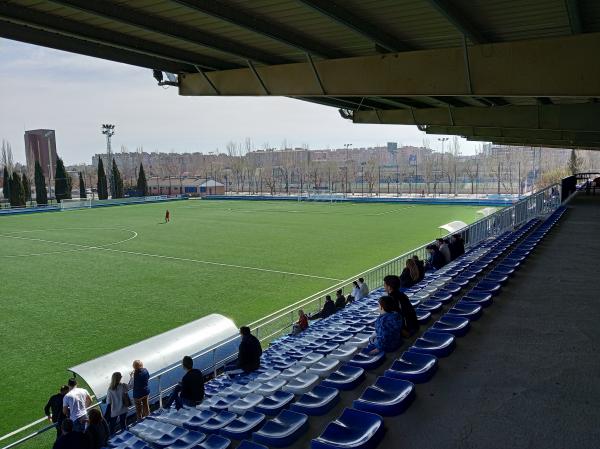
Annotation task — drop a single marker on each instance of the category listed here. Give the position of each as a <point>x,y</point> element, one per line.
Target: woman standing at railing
<point>117,399</point>
<point>139,378</point>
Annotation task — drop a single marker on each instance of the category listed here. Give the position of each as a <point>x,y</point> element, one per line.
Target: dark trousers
<point>175,396</point>
<point>58,428</point>
<point>112,423</point>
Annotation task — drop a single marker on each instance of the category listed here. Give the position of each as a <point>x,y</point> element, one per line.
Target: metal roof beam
<point>35,36</point>
<point>458,20</point>
<point>573,117</point>
<point>70,28</point>
<point>170,28</point>
<point>492,73</point>
<point>358,24</point>
<point>589,145</point>
<point>512,133</point>
<point>256,24</point>
<point>574,16</point>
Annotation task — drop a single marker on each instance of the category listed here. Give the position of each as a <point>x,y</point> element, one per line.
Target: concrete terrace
<point>527,375</point>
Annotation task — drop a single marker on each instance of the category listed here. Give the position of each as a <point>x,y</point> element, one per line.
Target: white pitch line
<point>183,259</point>
<point>391,211</point>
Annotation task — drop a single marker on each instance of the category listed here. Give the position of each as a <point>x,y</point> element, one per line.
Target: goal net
<point>75,204</point>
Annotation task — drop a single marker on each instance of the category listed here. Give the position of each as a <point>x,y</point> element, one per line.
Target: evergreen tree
<point>82,193</point>
<point>6,183</point>
<point>117,180</point>
<point>41,193</point>
<point>17,195</point>
<point>26,188</point>
<point>102,182</point>
<point>142,184</point>
<point>62,183</point>
<point>574,163</point>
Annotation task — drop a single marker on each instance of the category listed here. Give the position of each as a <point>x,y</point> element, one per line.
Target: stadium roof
<point>509,71</point>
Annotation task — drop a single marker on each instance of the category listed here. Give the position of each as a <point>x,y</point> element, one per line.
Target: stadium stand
<point>305,374</point>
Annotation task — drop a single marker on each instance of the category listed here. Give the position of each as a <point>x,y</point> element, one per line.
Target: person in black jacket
<point>54,409</point>
<point>436,258</point>
<point>420,266</point>
<point>249,351</point>
<point>70,439</point>
<point>327,310</point>
<point>340,300</point>
<point>391,284</point>
<point>190,391</point>
<point>410,275</point>
<point>457,246</point>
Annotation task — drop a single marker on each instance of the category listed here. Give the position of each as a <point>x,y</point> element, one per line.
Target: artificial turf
<point>79,284</point>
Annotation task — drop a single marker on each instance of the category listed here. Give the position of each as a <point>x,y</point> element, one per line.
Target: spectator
<point>388,327</point>
<point>410,275</point>
<point>118,401</point>
<point>340,300</point>
<point>70,439</point>
<point>444,249</point>
<point>436,259</point>
<point>421,267</point>
<point>138,381</point>
<point>391,284</point>
<point>460,245</point>
<point>54,409</point>
<point>327,310</point>
<point>355,290</point>
<point>75,404</point>
<point>97,433</point>
<point>302,323</point>
<point>249,351</point>
<point>364,288</point>
<point>349,299</point>
<point>190,391</point>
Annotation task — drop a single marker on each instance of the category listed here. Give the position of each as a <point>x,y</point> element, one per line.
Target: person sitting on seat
<point>388,328</point>
<point>391,284</point>
<point>364,288</point>
<point>327,310</point>
<point>301,324</point>
<point>340,300</point>
<point>190,391</point>
<point>355,290</point>
<point>69,438</point>
<point>249,351</point>
<point>444,249</point>
<point>436,259</point>
<point>410,275</point>
<point>420,266</point>
<point>97,433</point>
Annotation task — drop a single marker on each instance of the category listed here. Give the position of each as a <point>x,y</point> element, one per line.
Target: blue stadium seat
<point>471,311</point>
<point>437,344</point>
<point>343,353</point>
<point>498,278</point>
<point>367,361</point>
<point>219,403</point>
<point>317,402</point>
<point>423,316</point>
<point>387,397</point>
<point>483,298</point>
<point>324,367</point>
<point>271,386</point>
<point>188,440</point>
<point>214,442</point>
<point>243,426</point>
<point>347,377</point>
<point>490,287</point>
<point>273,404</point>
<point>177,434</point>
<point>430,306</point>
<point>443,296</point>
<point>326,348</point>
<point>360,339</point>
<point>216,423</point>
<point>454,325</point>
<point>292,372</point>
<point>198,419</point>
<point>301,384</point>
<point>310,359</point>
<point>251,445</point>
<point>246,403</point>
<point>353,429</point>
<point>282,430</point>
<point>412,366</point>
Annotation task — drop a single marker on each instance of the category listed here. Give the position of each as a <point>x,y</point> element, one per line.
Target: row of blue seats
<point>392,393</point>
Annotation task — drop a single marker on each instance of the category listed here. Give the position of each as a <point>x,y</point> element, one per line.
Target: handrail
<point>494,224</point>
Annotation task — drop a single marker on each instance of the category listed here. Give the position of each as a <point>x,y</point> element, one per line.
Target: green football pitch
<point>79,284</point>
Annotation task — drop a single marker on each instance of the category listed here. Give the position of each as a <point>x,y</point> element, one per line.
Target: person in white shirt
<point>75,404</point>
<point>364,288</point>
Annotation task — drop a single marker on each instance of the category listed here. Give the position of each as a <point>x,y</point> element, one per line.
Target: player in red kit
<point>167,217</point>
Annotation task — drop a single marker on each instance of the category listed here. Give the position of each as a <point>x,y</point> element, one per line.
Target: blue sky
<point>73,94</point>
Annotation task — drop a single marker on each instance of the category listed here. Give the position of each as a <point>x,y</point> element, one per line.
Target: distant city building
<point>40,146</point>
<point>392,147</point>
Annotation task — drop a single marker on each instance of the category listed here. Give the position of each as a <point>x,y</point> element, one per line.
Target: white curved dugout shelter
<point>453,226</point>
<point>487,211</point>
<point>209,340</point>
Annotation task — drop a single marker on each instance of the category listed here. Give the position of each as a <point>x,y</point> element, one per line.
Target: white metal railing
<point>278,323</point>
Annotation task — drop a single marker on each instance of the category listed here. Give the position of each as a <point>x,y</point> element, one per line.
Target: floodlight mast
<point>109,130</point>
